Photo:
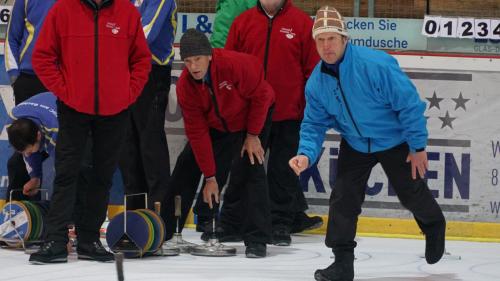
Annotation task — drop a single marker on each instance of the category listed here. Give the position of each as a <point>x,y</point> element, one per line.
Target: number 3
<point>482,26</point>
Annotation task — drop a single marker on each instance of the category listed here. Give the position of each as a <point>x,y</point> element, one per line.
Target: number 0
<point>431,27</point>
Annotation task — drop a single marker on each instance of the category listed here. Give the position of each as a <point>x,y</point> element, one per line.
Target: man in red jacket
<point>93,56</point>
<point>226,105</point>
<point>279,34</point>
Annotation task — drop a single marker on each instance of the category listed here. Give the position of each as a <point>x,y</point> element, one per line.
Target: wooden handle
<point>178,202</point>
<point>157,207</point>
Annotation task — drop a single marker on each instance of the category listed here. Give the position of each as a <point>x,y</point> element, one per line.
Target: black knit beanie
<point>194,43</point>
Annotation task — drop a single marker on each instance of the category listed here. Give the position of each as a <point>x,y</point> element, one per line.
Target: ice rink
<point>377,259</point>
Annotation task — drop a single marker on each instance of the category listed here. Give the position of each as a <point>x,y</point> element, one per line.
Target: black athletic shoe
<point>281,237</point>
<point>341,270</point>
<point>93,251</point>
<point>50,252</point>
<point>434,243</point>
<point>303,222</point>
<point>256,250</point>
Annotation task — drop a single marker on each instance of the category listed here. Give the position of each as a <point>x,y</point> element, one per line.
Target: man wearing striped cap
<point>365,96</point>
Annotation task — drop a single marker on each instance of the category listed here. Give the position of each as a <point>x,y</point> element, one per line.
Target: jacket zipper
<point>269,29</point>
<point>350,115</point>
<point>217,112</point>
<point>96,63</point>
<point>268,41</point>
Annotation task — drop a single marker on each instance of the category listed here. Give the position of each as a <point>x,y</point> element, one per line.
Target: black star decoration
<point>447,120</point>
<point>434,101</point>
<point>460,101</point>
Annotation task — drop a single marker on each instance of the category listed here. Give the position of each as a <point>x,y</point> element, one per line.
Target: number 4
<point>495,30</point>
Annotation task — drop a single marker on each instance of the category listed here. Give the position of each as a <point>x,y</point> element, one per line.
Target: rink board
<point>464,144</point>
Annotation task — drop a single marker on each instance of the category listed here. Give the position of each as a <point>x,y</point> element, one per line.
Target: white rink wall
<point>463,97</point>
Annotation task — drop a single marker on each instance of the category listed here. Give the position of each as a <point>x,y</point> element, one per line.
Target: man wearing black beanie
<point>226,105</point>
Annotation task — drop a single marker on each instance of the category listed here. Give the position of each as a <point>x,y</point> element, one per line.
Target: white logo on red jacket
<point>138,3</point>
<point>114,27</point>
<point>225,84</point>
<point>288,32</point>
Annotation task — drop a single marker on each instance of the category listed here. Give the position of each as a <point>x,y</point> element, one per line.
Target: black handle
<point>215,208</point>
<point>119,266</point>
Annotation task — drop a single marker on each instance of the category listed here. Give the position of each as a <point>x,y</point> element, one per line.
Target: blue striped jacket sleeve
<point>154,15</point>
<point>34,164</point>
<point>14,38</point>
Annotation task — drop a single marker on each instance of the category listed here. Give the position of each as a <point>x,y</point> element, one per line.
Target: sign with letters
<point>394,34</point>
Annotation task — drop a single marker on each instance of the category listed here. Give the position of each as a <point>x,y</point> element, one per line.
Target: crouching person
<point>226,105</point>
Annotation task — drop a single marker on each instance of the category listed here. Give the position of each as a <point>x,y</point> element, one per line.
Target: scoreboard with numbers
<point>474,28</point>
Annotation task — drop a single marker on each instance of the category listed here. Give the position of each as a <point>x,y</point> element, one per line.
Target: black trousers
<point>285,192</point>
<point>25,86</point>
<point>107,136</point>
<point>145,163</point>
<point>186,176</point>
<point>348,194</point>
<point>202,209</point>
<point>248,181</point>
<point>287,197</point>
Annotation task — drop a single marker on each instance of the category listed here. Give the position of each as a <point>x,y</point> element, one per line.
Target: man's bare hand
<point>253,148</point>
<point>299,163</point>
<point>418,163</point>
<point>211,189</point>
<point>31,187</point>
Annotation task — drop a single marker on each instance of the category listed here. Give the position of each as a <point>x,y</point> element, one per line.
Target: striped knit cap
<point>328,19</point>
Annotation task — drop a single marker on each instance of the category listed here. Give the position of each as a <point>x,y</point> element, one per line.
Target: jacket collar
<point>285,6</point>
<point>91,4</point>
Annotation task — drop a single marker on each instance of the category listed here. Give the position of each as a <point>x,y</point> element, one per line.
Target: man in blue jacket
<point>33,133</point>
<point>145,162</point>
<point>364,95</point>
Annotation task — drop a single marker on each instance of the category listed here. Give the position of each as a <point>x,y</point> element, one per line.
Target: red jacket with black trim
<point>242,96</point>
<point>99,73</point>
<point>285,45</point>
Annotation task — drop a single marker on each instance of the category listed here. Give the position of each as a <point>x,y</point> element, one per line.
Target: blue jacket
<point>159,22</point>
<point>42,110</point>
<point>373,105</point>
<point>25,23</point>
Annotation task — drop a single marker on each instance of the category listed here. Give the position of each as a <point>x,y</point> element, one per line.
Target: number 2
<point>467,25</point>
